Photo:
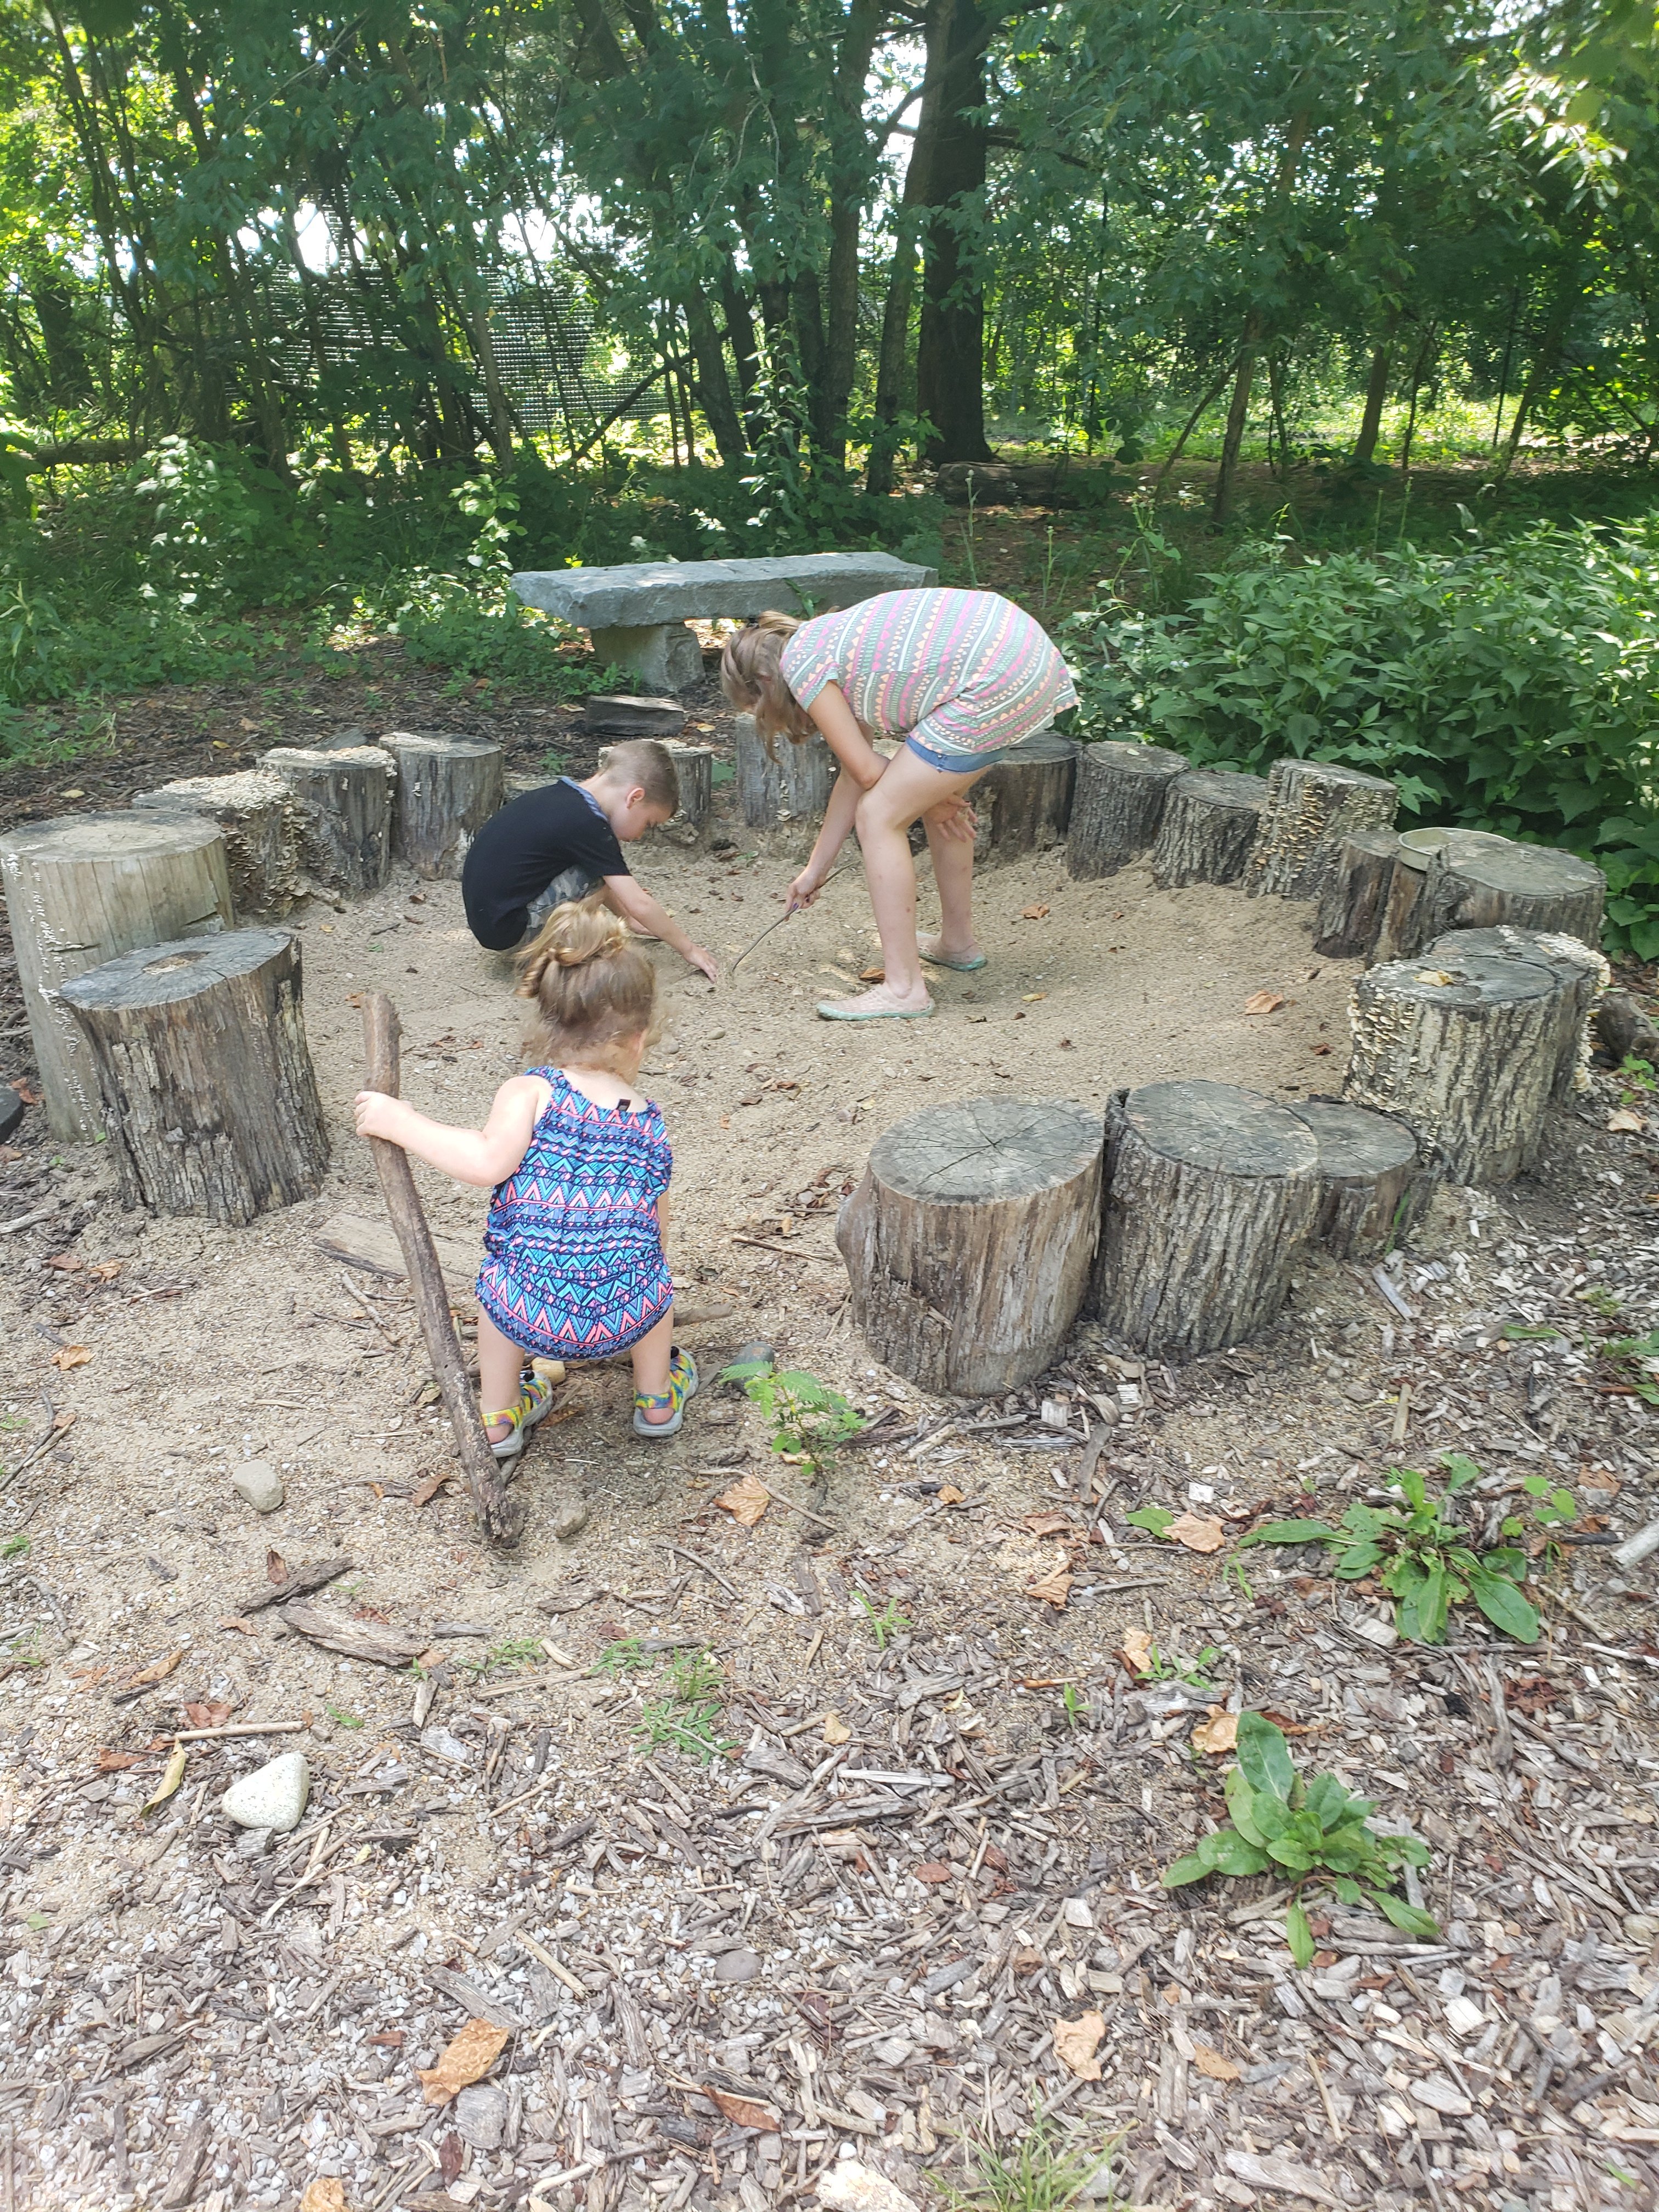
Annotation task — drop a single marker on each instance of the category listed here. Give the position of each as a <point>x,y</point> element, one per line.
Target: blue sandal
<point>682,1385</point>
<point>535,1399</point>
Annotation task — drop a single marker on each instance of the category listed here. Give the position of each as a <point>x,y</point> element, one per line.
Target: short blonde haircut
<point>593,987</point>
<point>751,677</point>
<point>647,762</point>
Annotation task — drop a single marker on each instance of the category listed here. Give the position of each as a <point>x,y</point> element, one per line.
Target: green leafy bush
<point>1425,1560</point>
<point>1514,686</point>
<point>808,1419</point>
<point>1313,1831</point>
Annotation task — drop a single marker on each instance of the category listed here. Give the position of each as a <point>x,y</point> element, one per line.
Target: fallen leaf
<point>206,1716</point>
<point>427,1491</point>
<point>1076,2042</point>
<point>1050,1524</point>
<point>172,1775</point>
<point>1196,1533</point>
<point>1137,1649</point>
<point>932,1870</point>
<point>450,2154</point>
<point>1217,1734</point>
<point>115,1762</point>
<point>1211,2065</point>
<point>872,974</point>
<point>389,2038</point>
<point>276,1569</point>
<point>105,1271</point>
<point>746,1501</point>
<point>1035,914</point>
<point>1054,1589</point>
<point>156,1673</point>
<point>327,2193</point>
<point>30,1097</point>
<point>1437,976</point>
<point>467,2059</point>
<point>72,1355</point>
<point>1032,998</point>
<point>1264,1002</point>
<point>743,2111</point>
<point>950,1495</point>
<point>836,1730</point>
<point>66,1263</point>
<point>1623,1123</point>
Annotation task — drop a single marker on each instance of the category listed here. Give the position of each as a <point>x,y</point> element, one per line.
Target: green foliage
<point>1638,1360</point>
<point>15,1547</point>
<point>621,1658</point>
<point>1313,1831</point>
<point>1514,686</point>
<point>808,1419</point>
<point>1040,2169</point>
<point>687,1717</point>
<point>1424,1557</point>
<point>890,1622</point>
<point>341,1718</point>
<point>1637,1079</point>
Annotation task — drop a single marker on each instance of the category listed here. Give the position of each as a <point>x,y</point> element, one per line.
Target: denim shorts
<point>955,764</point>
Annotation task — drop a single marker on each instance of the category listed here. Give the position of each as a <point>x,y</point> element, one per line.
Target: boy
<point>565,841</point>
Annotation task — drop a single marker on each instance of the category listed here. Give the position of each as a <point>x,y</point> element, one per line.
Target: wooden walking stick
<point>502,1517</point>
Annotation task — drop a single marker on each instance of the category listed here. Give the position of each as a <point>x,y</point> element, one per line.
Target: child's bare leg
<point>650,1356</point>
<point>501,1362</point>
<point>953,874</point>
<point>908,789</point>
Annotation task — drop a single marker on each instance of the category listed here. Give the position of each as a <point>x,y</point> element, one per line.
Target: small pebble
<point>737,1967</point>
<point>570,1519</point>
<point>273,1796</point>
<point>258,1485</point>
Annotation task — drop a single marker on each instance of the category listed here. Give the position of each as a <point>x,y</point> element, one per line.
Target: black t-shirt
<point>519,850</point>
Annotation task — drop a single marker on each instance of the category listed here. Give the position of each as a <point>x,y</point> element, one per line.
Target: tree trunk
<point>1377,391</point>
<point>1355,899</point>
<point>1477,886</point>
<point>1210,822</point>
<point>343,801</point>
<point>694,766</point>
<point>1117,806</point>
<point>1028,795</point>
<point>502,1517</point>
<point>1371,1183</point>
<point>1568,297</point>
<point>1211,1194</point>
<point>1581,972</point>
<point>1404,930</point>
<point>1467,1053</point>
<point>968,1241</point>
<point>254,811</point>
<point>949,347</point>
<point>795,787</point>
<point>447,789</point>
<point>894,350</point>
<point>850,167</point>
<point>1312,805</point>
<point>713,386</point>
<point>200,1049</point>
<point>1232,437</point>
<point>83,889</point>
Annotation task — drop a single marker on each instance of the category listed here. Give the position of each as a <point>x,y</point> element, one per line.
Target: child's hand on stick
<point>377,1114</point>
<point>804,891</point>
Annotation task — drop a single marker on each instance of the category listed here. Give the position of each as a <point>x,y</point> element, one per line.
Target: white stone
<point>1463,2016</point>
<point>1076,1914</point>
<point>258,1485</point>
<point>851,2186</point>
<point>273,1796</point>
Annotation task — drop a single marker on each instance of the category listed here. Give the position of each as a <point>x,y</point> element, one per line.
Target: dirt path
<point>863,1924</point>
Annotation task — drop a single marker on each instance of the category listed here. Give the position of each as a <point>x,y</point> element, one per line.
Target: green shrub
<point>1511,686</point>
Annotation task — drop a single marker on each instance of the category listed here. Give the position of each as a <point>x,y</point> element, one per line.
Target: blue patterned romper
<point>574,1265</point>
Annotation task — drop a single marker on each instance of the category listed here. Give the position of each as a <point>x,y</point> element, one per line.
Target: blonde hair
<point>593,987</point>
<point>647,763</point>
<point>752,679</point>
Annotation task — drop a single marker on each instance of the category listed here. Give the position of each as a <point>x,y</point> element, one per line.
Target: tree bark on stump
<point>1466,1054</point>
<point>1117,806</point>
<point>343,801</point>
<point>200,1049</point>
<point>1355,899</point>
<point>254,811</point>
<point>447,789</point>
<point>504,1517</point>
<point>1210,818</point>
<point>1583,974</point>
<point>1478,886</point>
<point>693,765</point>
<point>79,890</point>
<point>968,1241</point>
<point>1027,794</point>
<point>1211,1193</point>
<point>1311,807</point>
<point>1405,929</point>
<point>1373,1186</point>
<point>795,787</point>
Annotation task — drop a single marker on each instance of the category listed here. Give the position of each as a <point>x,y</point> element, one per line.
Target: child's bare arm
<point>630,899</point>
<point>484,1156</point>
<point>837,826</point>
<point>845,738</point>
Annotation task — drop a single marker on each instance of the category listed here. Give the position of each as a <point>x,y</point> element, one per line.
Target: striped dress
<point>962,674</point>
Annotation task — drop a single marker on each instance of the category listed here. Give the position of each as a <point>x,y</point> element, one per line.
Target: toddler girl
<point>574,1265</point>
<point>960,675</point>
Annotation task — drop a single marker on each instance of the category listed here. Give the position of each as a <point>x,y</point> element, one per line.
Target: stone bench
<point>635,614</point>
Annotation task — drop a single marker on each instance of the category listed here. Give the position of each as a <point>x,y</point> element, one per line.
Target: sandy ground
<point>185,2021</point>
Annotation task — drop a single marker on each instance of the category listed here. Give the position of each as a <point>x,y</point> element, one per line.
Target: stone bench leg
<point>666,657</point>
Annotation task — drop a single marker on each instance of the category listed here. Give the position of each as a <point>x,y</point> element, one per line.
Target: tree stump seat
<point>1028,796</point>
<point>254,811</point>
<point>1212,817</point>
<point>343,799</point>
<point>1311,806</point>
<point>447,787</point>
<point>778,794</point>
<point>1118,805</point>
<point>1372,1184</point>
